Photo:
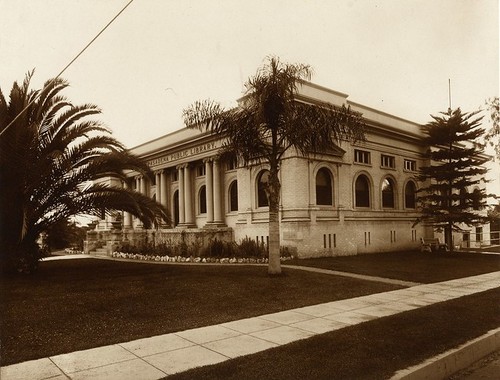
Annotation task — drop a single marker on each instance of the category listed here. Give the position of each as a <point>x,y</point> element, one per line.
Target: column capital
<point>208,159</point>
<point>159,171</point>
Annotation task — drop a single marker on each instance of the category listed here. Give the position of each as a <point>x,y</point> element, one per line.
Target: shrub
<point>181,249</point>
<point>215,248</point>
<point>218,248</point>
<point>164,249</point>
<point>286,251</point>
<point>251,248</point>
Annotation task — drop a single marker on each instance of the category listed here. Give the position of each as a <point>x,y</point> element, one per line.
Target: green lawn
<point>78,304</point>
<point>409,266</point>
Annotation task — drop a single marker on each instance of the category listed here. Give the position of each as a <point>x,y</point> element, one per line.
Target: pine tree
<point>452,196</point>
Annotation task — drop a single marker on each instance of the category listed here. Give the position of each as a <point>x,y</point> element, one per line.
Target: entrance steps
<point>99,252</point>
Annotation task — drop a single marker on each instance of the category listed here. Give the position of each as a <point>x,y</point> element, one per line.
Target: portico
<point>188,183</point>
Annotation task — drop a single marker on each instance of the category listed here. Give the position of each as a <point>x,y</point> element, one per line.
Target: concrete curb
<point>452,361</point>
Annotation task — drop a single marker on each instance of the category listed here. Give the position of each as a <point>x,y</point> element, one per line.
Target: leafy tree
<point>451,196</point>
<point>269,121</point>
<point>494,216</point>
<point>65,233</point>
<point>52,162</point>
<point>493,135</point>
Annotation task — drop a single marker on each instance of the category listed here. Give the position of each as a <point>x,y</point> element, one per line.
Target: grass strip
<point>74,305</point>
<point>370,350</point>
<point>409,266</point>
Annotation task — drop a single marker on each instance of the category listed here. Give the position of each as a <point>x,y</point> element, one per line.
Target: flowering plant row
<point>73,251</point>
<point>192,259</point>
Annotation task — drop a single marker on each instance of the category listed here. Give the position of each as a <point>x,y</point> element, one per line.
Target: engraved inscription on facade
<point>182,154</point>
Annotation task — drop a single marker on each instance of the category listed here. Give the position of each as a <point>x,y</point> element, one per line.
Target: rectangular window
<point>410,165</point>
<point>175,176</point>
<point>362,156</point>
<point>388,161</point>
<point>200,171</point>
<point>393,236</point>
<point>327,243</point>
<point>479,234</point>
<point>231,164</point>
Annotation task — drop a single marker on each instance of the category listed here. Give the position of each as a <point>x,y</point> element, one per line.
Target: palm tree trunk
<point>274,224</point>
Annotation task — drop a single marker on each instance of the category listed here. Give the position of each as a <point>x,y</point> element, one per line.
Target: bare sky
<point>159,56</point>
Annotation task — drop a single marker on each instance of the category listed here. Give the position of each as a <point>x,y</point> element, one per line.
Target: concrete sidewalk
<point>159,356</point>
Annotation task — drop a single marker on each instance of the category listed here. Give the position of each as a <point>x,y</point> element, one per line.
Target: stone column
<point>163,190</point>
<point>181,193</point>
<point>158,186</point>
<point>188,197</point>
<point>127,217</point>
<point>217,193</point>
<point>142,181</point>
<point>140,189</point>
<point>209,181</point>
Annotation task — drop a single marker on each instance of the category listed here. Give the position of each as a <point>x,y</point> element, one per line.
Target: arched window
<point>233,196</point>
<point>176,208</point>
<point>388,193</point>
<point>324,191</point>
<point>202,200</point>
<point>262,183</point>
<point>410,195</point>
<point>362,191</point>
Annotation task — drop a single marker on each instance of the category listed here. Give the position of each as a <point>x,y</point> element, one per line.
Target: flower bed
<point>247,251</point>
<point>192,259</point>
<point>73,251</point>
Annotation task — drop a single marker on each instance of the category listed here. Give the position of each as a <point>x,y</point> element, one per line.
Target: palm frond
<point>46,156</point>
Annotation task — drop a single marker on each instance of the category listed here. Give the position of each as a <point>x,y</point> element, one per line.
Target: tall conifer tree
<point>452,195</point>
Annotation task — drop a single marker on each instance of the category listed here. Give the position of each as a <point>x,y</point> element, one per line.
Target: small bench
<point>432,245</point>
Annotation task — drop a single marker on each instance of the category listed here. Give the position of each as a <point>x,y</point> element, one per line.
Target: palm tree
<point>52,162</point>
<point>270,120</point>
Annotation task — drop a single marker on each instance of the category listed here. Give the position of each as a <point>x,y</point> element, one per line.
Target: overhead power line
<point>67,66</point>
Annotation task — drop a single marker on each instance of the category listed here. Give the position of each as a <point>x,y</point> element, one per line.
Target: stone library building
<point>359,198</point>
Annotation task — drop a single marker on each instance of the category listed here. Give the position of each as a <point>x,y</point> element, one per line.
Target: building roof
<point>378,122</point>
